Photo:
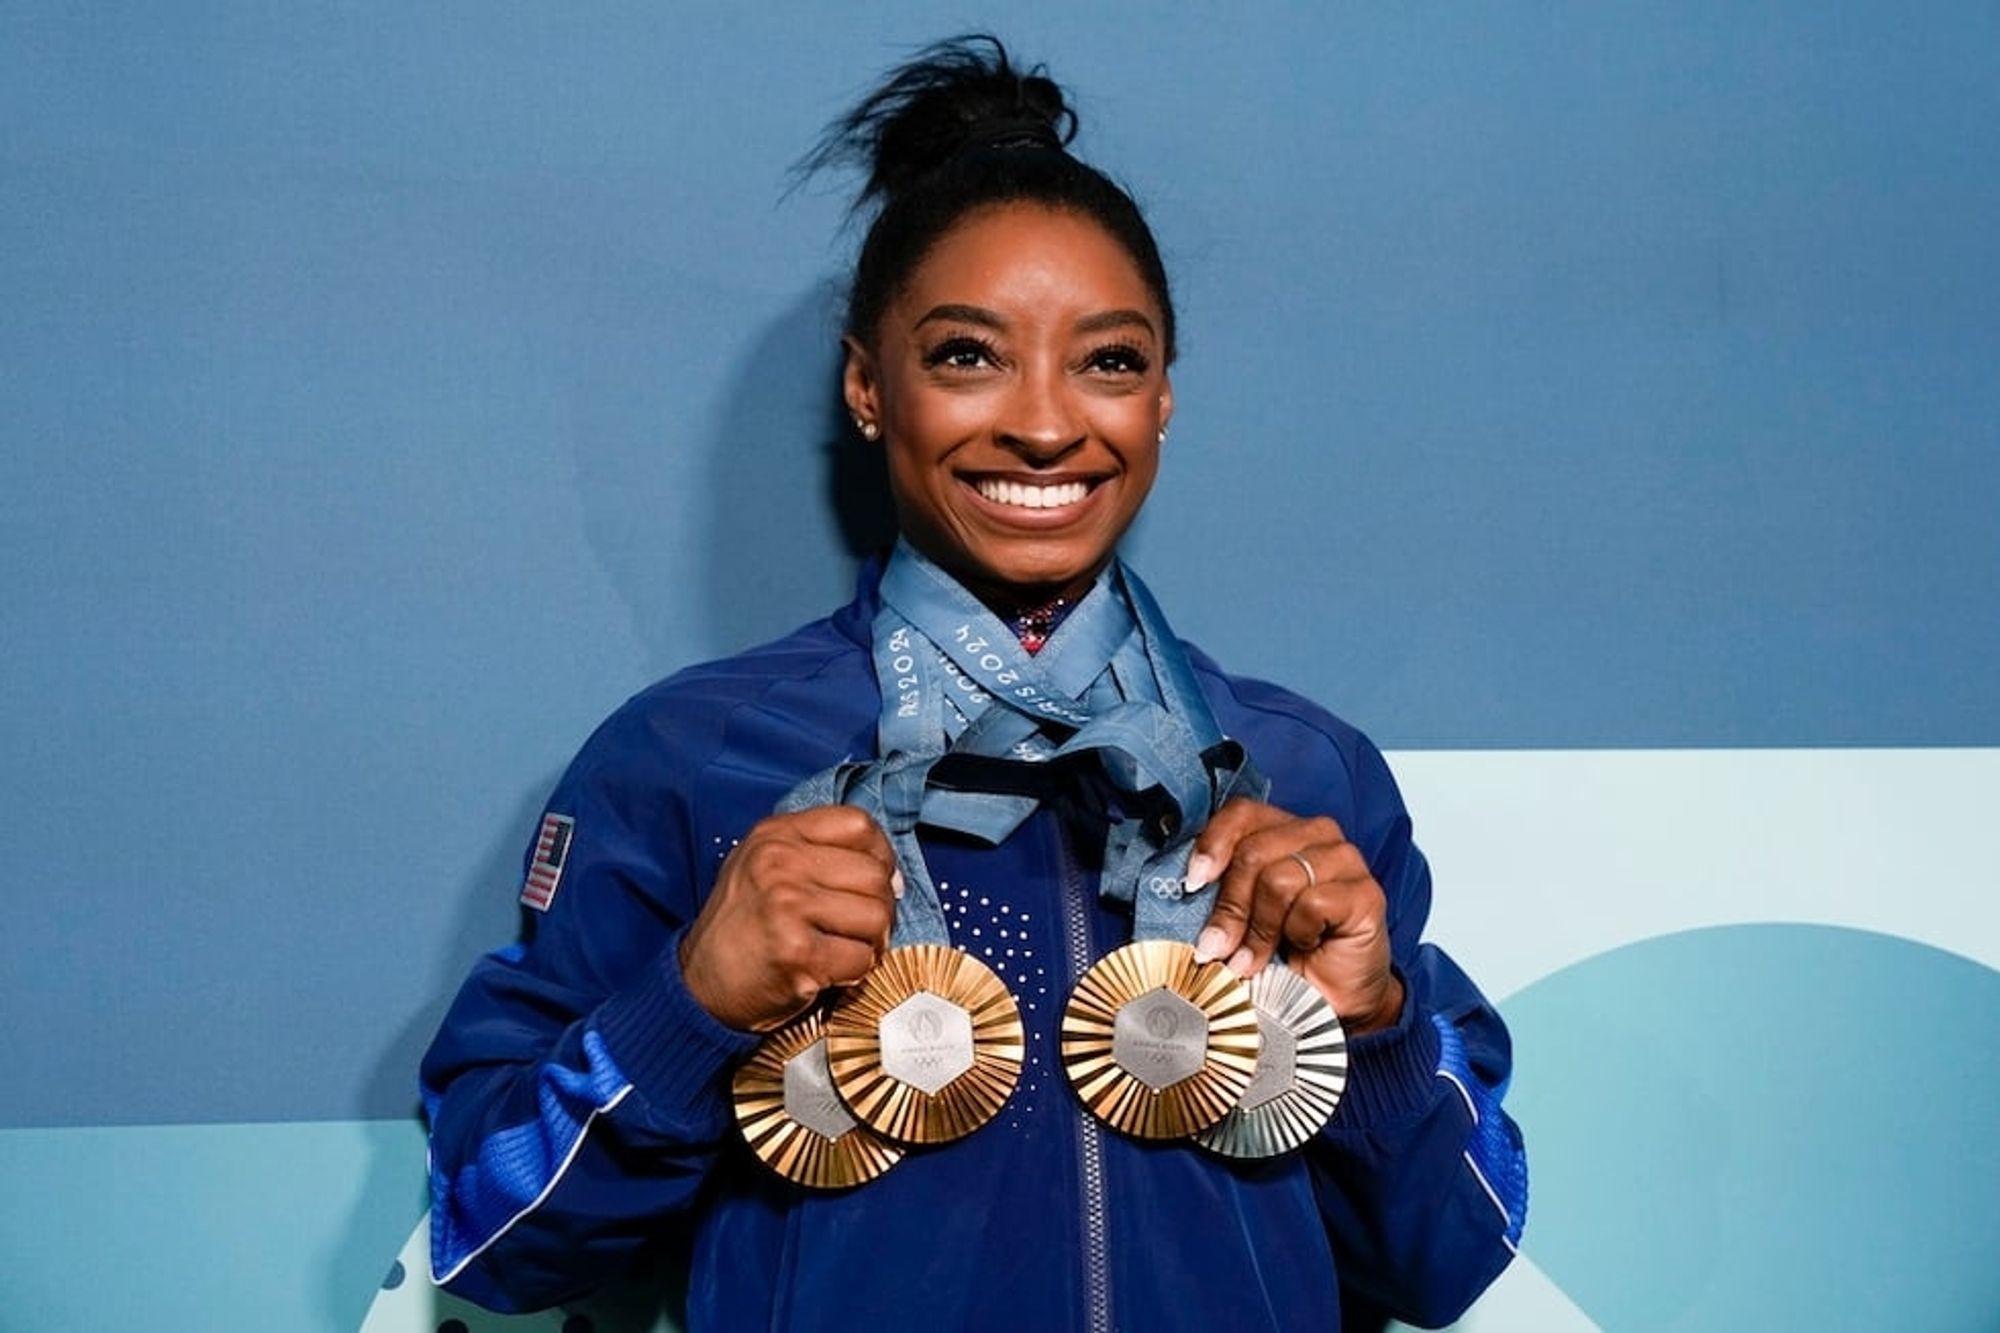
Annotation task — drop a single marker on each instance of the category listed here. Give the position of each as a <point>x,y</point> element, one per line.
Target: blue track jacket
<point>582,1129</point>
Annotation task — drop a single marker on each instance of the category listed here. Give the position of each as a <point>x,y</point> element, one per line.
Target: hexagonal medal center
<point>926,1042</point>
<point>1160,1039</point>
<point>809,1095</point>
<point>1277,1063</point>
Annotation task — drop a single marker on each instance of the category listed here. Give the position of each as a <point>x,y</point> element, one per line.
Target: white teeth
<point>1033,497</point>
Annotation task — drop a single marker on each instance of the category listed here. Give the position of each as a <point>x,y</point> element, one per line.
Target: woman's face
<point>1021,389</point>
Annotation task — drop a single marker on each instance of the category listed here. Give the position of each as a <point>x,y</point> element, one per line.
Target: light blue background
<point>387,394</point>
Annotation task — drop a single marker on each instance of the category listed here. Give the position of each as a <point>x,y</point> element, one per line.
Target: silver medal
<point>1301,1070</point>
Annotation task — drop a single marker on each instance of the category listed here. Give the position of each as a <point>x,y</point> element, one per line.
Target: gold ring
<point>1312,877</point>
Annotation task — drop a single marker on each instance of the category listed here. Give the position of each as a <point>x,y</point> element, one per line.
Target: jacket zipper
<point>1090,1144</point>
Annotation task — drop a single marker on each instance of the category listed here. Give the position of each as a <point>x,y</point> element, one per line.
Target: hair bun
<point>954,96</point>
<point>960,128</point>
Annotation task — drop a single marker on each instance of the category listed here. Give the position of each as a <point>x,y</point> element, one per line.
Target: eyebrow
<point>962,314</point>
<point>1101,322</point>
<point>1107,320</point>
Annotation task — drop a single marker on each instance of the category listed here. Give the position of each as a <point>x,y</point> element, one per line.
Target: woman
<point>1008,339</point>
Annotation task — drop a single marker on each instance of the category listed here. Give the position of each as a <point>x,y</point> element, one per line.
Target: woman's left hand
<point>1299,883</point>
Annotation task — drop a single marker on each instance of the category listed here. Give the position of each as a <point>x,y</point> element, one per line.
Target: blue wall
<point>386,395</point>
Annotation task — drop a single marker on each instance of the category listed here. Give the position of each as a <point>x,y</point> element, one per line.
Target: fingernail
<point>1210,945</point>
<point>1201,871</point>
<point>1239,962</point>
<point>896,885</point>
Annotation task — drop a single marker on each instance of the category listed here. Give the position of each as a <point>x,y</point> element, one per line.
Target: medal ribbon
<point>975,732</point>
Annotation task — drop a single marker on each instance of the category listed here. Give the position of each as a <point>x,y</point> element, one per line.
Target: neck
<point>1011,601</point>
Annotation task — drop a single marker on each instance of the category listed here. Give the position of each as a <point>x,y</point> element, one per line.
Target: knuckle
<point>784,903</point>
<point>791,947</point>
<point>1317,907</point>
<point>767,859</point>
<point>1324,828</point>
<point>1305,929</point>
<point>1254,852</point>
<point>1275,887</point>
<point>856,826</point>
<point>1348,862</point>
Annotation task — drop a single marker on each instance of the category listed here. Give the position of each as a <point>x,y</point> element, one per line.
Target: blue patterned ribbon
<point>975,732</point>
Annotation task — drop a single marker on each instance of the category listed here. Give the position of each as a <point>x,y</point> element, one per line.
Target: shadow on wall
<point>751,534</point>
<point>796,496</point>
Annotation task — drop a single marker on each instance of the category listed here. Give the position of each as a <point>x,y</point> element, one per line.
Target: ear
<point>1166,402</point>
<point>859,384</point>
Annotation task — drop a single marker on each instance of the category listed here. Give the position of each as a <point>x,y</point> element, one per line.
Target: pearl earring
<point>869,430</point>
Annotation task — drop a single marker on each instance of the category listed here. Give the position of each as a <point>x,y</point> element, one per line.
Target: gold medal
<point>928,1046</point>
<point>794,1120</point>
<point>1156,1044</point>
<point>1301,1070</point>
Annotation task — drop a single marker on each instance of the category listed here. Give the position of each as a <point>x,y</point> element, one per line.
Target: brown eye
<point>960,354</point>
<point>1119,359</point>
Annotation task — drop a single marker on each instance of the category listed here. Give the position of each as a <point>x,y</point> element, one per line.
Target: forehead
<point>1031,258</point>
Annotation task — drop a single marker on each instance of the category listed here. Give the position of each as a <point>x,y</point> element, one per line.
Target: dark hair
<point>956,129</point>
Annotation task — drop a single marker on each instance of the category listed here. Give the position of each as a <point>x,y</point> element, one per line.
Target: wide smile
<point>1036,503</point>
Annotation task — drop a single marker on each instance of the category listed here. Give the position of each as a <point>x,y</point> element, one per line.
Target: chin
<point>1028,581</point>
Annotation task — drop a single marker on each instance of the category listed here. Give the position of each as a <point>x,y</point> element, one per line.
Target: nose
<point>1040,422</point>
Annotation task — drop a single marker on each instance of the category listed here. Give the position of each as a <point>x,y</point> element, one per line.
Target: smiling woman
<point>981,956</point>
<point>1019,381</point>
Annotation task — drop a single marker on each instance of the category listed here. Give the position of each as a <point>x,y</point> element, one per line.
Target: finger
<point>1277,862</point>
<point>841,961</point>
<point>1334,908</point>
<point>842,826</point>
<point>1216,851</point>
<point>776,865</point>
<point>846,826</point>
<point>839,870</point>
<point>852,916</point>
<point>1339,937</point>
<point>1217,841</point>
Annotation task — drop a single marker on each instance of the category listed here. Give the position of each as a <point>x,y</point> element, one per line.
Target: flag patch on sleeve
<point>546,866</point>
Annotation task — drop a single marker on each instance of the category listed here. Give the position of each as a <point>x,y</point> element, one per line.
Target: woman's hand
<point>1301,884</point>
<point>805,902</point>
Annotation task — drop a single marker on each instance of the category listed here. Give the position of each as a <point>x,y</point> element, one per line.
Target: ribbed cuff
<point>1391,1074</point>
<point>673,1050</point>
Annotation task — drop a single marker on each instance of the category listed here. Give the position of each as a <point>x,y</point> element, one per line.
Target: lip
<point>1019,516</point>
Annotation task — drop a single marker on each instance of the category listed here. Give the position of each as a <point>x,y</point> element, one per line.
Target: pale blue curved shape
<point>260,1227</point>
<point>263,1228</point>
<point>1770,1126</point>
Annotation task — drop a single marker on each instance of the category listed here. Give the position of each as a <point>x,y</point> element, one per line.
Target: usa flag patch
<point>546,866</point>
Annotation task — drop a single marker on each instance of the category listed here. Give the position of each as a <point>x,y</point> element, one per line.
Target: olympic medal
<point>1301,1070</point>
<point>928,1046</point>
<point>793,1119</point>
<point>1156,1044</point>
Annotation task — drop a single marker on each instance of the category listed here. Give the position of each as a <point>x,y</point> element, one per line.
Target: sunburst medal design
<point>794,1120</point>
<point>1156,1044</point>
<point>1301,1070</point>
<point>928,1046</point>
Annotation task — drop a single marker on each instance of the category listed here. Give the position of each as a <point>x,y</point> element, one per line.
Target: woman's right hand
<point>803,903</point>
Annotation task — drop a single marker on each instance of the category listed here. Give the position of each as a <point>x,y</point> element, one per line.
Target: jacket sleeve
<point>1421,1177</point>
<point>577,1094</point>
